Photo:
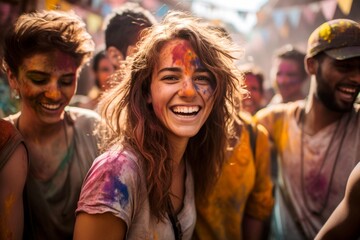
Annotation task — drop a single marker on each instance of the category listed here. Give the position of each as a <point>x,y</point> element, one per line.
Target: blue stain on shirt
<point>116,191</point>
<point>123,192</point>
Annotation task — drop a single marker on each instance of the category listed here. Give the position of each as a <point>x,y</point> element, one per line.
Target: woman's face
<point>46,82</point>
<point>181,89</point>
<point>105,69</point>
<point>252,103</point>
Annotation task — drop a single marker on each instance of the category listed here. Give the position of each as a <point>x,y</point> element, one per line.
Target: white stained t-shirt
<point>116,183</point>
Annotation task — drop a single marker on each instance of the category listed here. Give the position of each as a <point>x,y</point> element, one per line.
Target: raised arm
<point>344,221</point>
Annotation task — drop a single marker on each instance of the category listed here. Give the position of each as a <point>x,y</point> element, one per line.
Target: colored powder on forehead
<point>184,55</point>
<point>65,62</point>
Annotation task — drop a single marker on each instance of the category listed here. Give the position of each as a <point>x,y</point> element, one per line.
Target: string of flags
<point>286,18</point>
<point>309,11</point>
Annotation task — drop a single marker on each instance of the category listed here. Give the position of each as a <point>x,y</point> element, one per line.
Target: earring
<point>15,94</point>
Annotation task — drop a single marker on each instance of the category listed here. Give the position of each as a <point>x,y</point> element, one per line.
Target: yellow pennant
<point>51,4</point>
<point>345,6</point>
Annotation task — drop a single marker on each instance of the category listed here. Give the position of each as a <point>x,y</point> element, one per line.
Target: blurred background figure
<point>123,30</point>
<point>288,75</point>
<point>102,69</point>
<point>241,202</point>
<point>254,79</point>
<point>122,27</point>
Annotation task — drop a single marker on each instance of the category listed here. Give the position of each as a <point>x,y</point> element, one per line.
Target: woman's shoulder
<point>8,131</point>
<point>77,113</point>
<point>10,139</point>
<point>119,159</point>
<point>81,118</point>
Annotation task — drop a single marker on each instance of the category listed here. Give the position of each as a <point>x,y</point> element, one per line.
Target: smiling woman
<point>164,132</point>
<point>44,52</point>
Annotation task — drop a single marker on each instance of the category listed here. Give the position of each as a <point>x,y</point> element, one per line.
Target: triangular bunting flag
<point>261,16</point>
<point>64,6</point>
<point>279,18</point>
<point>94,22</point>
<point>309,15</point>
<point>328,8</point>
<point>294,15</point>
<point>51,4</point>
<point>284,31</point>
<point>345,6</point>
<point>152,5</point>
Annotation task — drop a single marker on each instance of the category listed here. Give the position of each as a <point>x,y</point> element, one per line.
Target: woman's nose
<point>53,93</point>
<point>188,89</point>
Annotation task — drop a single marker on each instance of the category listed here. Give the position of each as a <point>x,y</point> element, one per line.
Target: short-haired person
<point>43,54</point>
<point>123,27</point>
<point>102,68</point>
<point>288,75</point>
<point>254,79</point>
<point>13,173</point>
<point>167,128</point>
<point>317,138</point>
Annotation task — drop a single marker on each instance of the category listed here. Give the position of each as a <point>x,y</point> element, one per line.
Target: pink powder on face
<point>184,55</point>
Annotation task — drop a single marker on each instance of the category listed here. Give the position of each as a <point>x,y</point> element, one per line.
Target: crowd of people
<point>176,140</point>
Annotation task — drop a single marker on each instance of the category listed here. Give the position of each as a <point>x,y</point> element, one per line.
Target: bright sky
<point>227,11</point>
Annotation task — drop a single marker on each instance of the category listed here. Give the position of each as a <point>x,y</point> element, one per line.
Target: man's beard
<point>327,95</point>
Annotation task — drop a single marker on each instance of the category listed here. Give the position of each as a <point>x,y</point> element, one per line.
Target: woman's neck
<point>178,147</point>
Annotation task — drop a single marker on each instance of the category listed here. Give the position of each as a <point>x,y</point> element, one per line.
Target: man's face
<point>252,103</point>
<point>288,78</point>
<point>104,71</point>
<point>338,83</point>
